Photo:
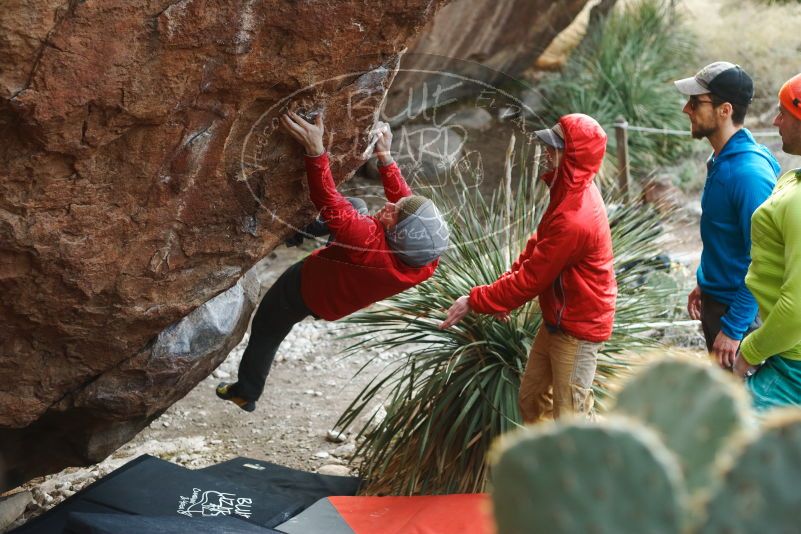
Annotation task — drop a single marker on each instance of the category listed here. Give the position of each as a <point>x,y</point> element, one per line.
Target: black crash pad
<point>272,479</point>
<point>149,487</point>
<point>85,523</point>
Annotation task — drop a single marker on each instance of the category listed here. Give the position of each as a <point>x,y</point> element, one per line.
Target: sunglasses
<point>695,102</point>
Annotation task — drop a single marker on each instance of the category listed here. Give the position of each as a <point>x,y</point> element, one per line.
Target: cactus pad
<point>583,477</point>
<point>759,491</point>
<point>694,407</point>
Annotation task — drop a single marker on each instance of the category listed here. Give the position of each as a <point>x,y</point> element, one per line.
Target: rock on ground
<point>12,507</point>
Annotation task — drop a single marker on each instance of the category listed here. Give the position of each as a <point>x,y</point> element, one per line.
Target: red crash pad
<point>428,514</point>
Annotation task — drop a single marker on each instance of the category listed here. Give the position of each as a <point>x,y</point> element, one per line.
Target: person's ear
<point>726,110</point>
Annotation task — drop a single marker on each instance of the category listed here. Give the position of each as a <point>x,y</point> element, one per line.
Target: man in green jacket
<point>770,357</point>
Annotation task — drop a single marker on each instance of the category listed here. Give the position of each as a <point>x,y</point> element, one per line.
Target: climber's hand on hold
<point>383,143</point>
<point>308,134</point>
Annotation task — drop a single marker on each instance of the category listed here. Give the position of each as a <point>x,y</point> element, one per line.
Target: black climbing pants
<point>280,309</point>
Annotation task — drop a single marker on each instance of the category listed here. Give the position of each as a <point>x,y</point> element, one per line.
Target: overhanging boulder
<point>141,175</point>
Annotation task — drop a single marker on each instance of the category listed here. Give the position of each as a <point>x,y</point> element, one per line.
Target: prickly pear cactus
<point>583,477</point>
<point>759,490</point>
<point>695,408</point>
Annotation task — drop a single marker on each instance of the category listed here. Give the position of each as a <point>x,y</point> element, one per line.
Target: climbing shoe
<point>227,391</point>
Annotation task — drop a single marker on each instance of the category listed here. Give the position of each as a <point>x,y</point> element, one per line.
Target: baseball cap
<point>552,136</point>
<point>722,79</point>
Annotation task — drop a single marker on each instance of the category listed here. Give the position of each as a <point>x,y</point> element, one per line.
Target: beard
<point>700,131</point>
<point>793,148</point>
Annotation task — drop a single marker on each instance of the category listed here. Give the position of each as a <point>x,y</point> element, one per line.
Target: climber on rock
<point>371,257</point>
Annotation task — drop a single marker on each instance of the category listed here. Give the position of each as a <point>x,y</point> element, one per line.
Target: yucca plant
<point>624,68</point>
<point>456,390</point>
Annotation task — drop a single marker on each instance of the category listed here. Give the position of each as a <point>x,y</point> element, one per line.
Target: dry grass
<point>763,38</point>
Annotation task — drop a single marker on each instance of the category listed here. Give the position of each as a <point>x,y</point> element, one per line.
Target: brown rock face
<point>141,174</point>
<point>491,40</point>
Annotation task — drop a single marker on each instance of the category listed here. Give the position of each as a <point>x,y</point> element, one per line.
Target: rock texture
<point>12,507</point>
<point>494,42</point>
<point>555,56</point>
<point>141,174</point>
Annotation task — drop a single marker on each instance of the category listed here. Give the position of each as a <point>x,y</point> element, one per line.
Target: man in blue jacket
<point>740,176</point>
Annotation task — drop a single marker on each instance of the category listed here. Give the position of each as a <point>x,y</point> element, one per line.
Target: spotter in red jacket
<point>568,262</point>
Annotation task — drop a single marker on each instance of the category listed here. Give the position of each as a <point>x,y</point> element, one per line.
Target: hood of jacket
<point>743,142</point>
<point>585,146</point>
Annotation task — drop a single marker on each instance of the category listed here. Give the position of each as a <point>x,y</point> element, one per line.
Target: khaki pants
<point>558,377</point>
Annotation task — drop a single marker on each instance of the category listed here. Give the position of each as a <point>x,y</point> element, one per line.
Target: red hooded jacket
<point>568,262</point>
<point>358,268</point>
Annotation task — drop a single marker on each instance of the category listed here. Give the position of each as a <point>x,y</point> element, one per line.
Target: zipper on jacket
<point>564,304</point>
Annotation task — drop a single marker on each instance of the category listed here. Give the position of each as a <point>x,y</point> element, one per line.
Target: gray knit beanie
<point>408,205</point>
<point>421,234</point>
